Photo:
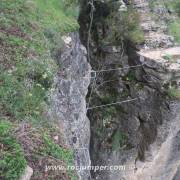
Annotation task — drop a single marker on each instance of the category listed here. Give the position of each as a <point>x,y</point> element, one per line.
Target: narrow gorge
<point>130,112</point>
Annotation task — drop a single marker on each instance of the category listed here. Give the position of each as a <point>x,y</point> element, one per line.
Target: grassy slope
<point>30,36</point>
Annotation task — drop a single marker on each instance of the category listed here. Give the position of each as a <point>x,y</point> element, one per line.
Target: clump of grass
<point>174,92</point>
<point>12,163</point>
<point>177,7</point>
<point>23,91</point>
<point>54,11</point>
<point>108,113</point>
<point>173,6</point>
<point>130,76</point>
<point>167,57</point>
<point>119,140</point>
<point>174,30</point>
<point>54,150</point>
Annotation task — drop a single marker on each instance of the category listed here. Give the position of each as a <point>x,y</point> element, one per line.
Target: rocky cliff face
<point>126,133</point>
<point>131,117</point>
<point>154,17</point>
<point>68,100</point>
<point>165,158</point>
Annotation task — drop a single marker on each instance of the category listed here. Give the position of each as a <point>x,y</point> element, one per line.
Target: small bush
<point>174,30</point>
<point>177,7</point>
<point>119,140</point>
<point>54,150</point>
<point>125,25</point>
<point>173,92</point>
<point>168,57</point>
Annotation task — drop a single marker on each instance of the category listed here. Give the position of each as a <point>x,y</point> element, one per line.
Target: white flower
<point>45,75</point>
<point>30,94</point>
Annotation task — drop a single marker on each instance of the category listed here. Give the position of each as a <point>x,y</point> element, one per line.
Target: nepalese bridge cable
<point>116,69</point>
<point>94,84</point>
<point>119,102</point>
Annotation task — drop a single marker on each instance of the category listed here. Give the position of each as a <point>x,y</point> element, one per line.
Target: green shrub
<point>54,150</point>
<point>125,25</point>
<point>108,113</point>
<point>173,92</point>
<point>131,76</point>
<point>119,140</point>
<point>174,30</point>
<point>12,163</point>
<point>167,57</point>
<point>177,7</point>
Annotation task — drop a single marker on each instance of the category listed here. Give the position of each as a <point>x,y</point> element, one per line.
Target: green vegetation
<point>30,39</point>
<point>174,29</point>
<point>13,162</point>
<point>167,57</point>
<point>27,68</point>
<point>174,26</point>
<point>108,113</point>
<point>130,77</point>
<point>173,92</point>
<point>22,101</point>
<point>152,4</point>
<point>125,26</point>
<point>119,140</point>
<point>173,5</point>
<point>54,150</point>
<point>177,6</point>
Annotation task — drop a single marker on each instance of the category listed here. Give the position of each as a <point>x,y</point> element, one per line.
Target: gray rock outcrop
<point>69,100</point>
<point>27,173</point>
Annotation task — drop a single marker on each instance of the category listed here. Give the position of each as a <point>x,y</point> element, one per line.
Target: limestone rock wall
<point>153,21</point>
<point>69,100</point>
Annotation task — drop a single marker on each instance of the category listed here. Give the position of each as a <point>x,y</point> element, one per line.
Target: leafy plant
<point>108,113</point>
<point>173,92</point>
<point>174,30</point>
<point>119,140</point>
<point>177,7</point>
<point>56,151</point>
<point>167,57</point>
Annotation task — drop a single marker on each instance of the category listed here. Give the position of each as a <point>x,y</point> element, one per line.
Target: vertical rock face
<point>68,100</point>
<point>153,21</point>
<point>165,163</point>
